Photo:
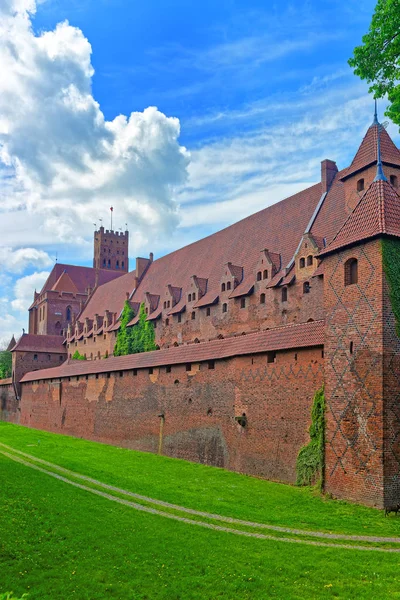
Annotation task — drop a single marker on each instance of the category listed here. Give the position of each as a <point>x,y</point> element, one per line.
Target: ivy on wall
<point>78,356</point>
<point>137,338</point>
<point>311,458</point>
<point>391,267</point>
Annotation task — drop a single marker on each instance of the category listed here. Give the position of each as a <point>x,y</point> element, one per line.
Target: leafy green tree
<point>5,364</point>
<point>78,356</point>
<point>377,60</point>
<point>123,342</point>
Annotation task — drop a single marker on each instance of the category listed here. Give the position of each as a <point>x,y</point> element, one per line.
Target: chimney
<point>328,173</point>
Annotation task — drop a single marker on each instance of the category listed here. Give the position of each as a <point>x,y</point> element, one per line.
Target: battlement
<point>111,250</point>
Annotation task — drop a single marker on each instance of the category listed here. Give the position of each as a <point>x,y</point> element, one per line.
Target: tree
<point>5,364</point>
<point>124,333</point>
<point>377,60</point>
<point>78,356</point>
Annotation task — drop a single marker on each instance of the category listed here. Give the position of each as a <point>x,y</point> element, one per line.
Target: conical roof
<point>377,213</point>
<point>367,152</point>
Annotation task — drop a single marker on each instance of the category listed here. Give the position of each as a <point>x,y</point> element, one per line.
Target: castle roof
<point>82,278</point>
<point>366,154</point>
<point>110,296</point>
<point>377,213</point>
<point>11,344</point>
<point>304,335</point>
<point>65,284</point>
<point>29,342</point>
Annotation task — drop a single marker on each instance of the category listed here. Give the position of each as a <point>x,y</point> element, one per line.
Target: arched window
<point>224,308</point>
<point>223,287</point>
<point>117,265</point>
<point>57,327</point>
<point>393,180</point>
<point>69,313</point>
<point>193,297</point>
<point>351,271</point>
<point>190,298</point>
<point>284,294</point>
<point>259,276</point>
<point>302,263</point>
<point>109,264</point>
<point>265,274</point>
<point>228,285</point>
<point>306,287</point>
<point>104,262</point>
<point>165,305</point>
<point>360,185</point>
<point>122,264</point>
<point>309,260</point>
<point>262,299</point>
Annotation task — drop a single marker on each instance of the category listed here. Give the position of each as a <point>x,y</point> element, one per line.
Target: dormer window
<point>223,287</point>
<point>190,298</point>
<point>228,285</point>
<point>393,181</point>
<point>259,276</point>
<point>302,263</point>
<point>360,185</point>
<point>309,260</point>
<point>193,297</point>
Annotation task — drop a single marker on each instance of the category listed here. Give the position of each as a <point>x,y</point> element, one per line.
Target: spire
<point>380,175</point>
<point>375,121</point>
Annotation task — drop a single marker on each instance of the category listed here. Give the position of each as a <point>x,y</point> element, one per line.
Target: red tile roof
<point>377,213</point>
<point>110,296</point>
<point>82,277</point>
<point>367,152</point>
<point>29,342</point>
<point>244,288</point>
<point>7,381</point>
<point>303,335</point>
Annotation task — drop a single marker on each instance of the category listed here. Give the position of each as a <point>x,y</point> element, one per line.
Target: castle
<point>250,322</point>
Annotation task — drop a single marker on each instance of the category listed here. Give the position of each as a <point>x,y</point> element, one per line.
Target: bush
<point>78,356</point>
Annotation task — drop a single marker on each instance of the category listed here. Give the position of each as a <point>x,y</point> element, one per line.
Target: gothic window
<point>57,327</point>
<point>265,274</point>
<point>117,265</point>
<point>109,264</point>
<point>351,271</point>
<point>69,313</point>
<point>169,304</point>
<point>302,263</point>
<point>193,297</point>
<point>262,299</point>
<point>223,287</point>
<point>190,298</point>
<point>259,276</point>
<point>228,285</point>
<point>224,308</point>
<point>360,185</point>
<point>284,294</point>
<point>306,287</point>
<point>393,180</point>
<point>242,302</point>
<point>309,260</point>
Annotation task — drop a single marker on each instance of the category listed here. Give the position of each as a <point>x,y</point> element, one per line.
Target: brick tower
<point>111,250</point>
<point>362,349</point>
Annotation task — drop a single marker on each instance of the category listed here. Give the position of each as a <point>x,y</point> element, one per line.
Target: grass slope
<point>61,542</point>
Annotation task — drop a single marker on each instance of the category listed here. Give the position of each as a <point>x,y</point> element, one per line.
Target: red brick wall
<point>200,407</point>
<point>9,405</point>
<point>354,382</point>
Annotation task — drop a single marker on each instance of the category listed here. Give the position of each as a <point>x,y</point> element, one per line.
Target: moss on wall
<point>310,460</point>
<point>391,267</point>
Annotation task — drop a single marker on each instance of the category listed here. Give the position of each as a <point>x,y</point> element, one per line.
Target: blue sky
<point>251,96</point>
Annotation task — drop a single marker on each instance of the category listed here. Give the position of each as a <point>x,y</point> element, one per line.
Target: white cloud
<point>23,290</point>
<point>67,163</point>
<point>16,261</point>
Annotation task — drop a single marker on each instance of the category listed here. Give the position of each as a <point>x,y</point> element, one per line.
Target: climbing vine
<point>136,338</point>
<point>310,460</point>
<point>391,267</point>
<point>78,356</point>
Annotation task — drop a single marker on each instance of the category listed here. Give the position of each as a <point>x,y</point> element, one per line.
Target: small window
<point>121,373</point>
<point>193,316</point>
<point>193,297</point>
<point>360,185</point>
<point>134,372</point>
<point>211,364</point>
<point>208,311</point>
<point>35,357</point>
<point>165,305</point>
<point>122,264</point>
<point>306,287</point>
<point>61,358</point>
<point>242,302</point>
<point>309,260</point>
<point>351,271</point>
<point>105,336</point>
<point>179,318</point>
<point>48,357</point>
<point>151,371</point>
<point>259,277</point>
<point>284,294</point>
<point>223,287</point>
<point>166,322</point>
<point>393,181</point>
<point>190,298</point>
<point>228,285</point>
<point>302,263</point>
<point>69,313</point>
<point>262,299</point>
<point>351,347</point>
<point>271,357</point>
<point>108,375</point>
<point>168,369</point>
<point>188,367</point>
<point>265,274</point>
<point>224,308</point>
<point>169,304</point>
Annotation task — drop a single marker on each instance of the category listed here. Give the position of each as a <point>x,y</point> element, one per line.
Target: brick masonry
<point>9,405</point>
<point>201,407</point>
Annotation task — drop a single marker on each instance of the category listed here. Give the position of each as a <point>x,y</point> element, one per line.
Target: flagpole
<point>111,210</point>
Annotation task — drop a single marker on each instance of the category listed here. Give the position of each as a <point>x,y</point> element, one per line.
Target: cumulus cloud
<point>16,261</point>
<point>24,287</point>
<point>67,162</point>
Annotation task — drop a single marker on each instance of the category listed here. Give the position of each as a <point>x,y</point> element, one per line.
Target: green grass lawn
<point>60,542</point>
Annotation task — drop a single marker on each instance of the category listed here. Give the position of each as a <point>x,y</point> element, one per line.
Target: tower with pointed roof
<point>362,350</point>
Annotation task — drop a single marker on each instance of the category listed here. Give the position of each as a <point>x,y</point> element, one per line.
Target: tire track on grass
<point>211,526</point>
